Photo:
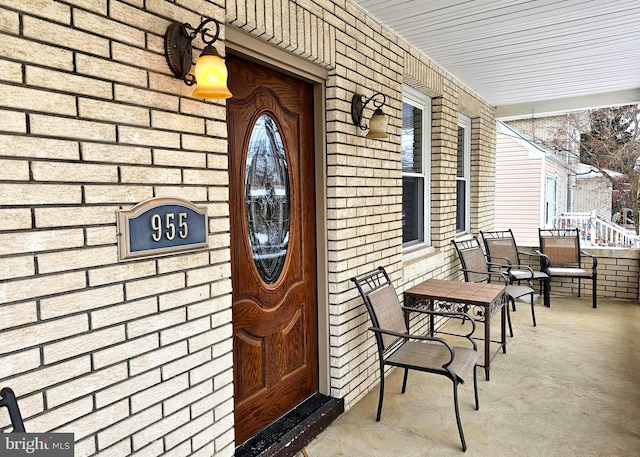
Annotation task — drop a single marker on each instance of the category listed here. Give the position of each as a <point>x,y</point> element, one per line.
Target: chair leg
<point>543,292</point>
<point>381,394</point>
<point>509,318</point>
<point>475,386</point>
<point>455,404</point>
<point>533,311</point>
<point>579,287</point>
<point>595,304</point>
<point>404,381</point>
<point>547,292</point>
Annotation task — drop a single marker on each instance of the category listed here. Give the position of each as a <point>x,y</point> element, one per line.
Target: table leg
<point>487,343</point>
<point>503,338</point>
<point>431,319</point>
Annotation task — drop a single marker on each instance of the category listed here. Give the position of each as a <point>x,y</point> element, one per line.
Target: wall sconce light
<point>210,73</point>
<point>378,122</point>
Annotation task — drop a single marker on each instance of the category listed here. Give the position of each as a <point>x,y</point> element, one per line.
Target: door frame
<point>244,45</point>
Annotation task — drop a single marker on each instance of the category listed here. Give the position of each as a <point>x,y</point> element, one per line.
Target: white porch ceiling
<point>527,57</point>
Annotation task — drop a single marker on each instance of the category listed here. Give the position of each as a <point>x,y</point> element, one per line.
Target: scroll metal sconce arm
<point>178,49</point>
<point>359,102</point>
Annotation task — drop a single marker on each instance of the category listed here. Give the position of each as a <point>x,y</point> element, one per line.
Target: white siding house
<point>531,186</point>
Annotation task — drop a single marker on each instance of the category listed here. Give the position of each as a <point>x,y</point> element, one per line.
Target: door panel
<point>273,244</point>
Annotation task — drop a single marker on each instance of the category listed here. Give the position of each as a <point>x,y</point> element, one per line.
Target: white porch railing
<point>596,231</point>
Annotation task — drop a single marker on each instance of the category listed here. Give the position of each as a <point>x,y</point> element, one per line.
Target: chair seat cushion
<point>569,272</point>
<point>432,356</point>
<point>518,291</point>
<point>526,274</point>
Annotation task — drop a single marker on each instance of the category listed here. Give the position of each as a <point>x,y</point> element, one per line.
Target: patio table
<point>482,300</point>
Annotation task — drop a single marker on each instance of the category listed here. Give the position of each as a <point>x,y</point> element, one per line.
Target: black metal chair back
<point>473,260</point>
<point>501,244</point>
<point>383,305</point>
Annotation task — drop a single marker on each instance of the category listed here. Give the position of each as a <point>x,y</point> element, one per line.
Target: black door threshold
<point>294,430</point>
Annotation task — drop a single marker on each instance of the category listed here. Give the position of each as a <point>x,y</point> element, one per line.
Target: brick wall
<point>129,356</point>
<point>365,178</point>
<point>136,356</point>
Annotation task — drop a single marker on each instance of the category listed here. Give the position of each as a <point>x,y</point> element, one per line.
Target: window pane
<point>461,145</point>
<point>412,209</point>
<point>461,221</point>
<point>411,139</point>
<point>416,162</point>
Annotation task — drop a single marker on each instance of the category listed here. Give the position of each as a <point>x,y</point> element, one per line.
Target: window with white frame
<point>550,201</point>
<point>463,175</point>
<point>416,168</point>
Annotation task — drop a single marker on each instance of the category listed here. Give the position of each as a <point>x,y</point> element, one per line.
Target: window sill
<point>462,236</point>
<point>417,252</point>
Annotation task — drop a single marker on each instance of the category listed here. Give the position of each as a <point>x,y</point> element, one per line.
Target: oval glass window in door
<point>267,198</point>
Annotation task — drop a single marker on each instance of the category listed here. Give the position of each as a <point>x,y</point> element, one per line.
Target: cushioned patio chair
<point>563,258</point>
<point>501,244</point>
<point>477,268</point>
<point>398,348</point>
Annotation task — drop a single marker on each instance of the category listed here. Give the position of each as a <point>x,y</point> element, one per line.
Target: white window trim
<point>422,101</point>
<point>550,178</point>
<point>465,123</point>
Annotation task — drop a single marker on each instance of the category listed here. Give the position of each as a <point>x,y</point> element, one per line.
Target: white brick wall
<point>364,183</point>
<point>90,345</point>
<point>137,356</point>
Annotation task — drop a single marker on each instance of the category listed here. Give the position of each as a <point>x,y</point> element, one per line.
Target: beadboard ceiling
<point>527,57</point>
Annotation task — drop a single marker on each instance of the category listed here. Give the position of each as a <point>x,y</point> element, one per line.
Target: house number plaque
<point>161,226</point>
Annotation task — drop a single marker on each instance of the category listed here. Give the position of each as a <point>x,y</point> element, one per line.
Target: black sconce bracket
<point>359,102</point>
<point>177,47</point>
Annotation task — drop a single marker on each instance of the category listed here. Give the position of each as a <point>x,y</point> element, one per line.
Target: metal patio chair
<point>563,258</point>
<point>477,268</point>
<point>398,348</point>
<point>501,244</point>
<point>9,401</point>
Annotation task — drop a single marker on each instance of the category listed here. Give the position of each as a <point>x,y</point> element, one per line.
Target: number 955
<point>170,229</point>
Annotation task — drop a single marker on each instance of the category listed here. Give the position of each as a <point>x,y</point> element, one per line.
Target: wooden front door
<point>273,244</point>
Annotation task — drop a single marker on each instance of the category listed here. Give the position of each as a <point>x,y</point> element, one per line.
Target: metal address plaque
<point>161,226</point>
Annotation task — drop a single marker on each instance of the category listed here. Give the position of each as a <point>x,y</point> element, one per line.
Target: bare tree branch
<point>608,139</point>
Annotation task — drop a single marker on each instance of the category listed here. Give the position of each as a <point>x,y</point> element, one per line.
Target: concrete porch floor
<point>568,387</point>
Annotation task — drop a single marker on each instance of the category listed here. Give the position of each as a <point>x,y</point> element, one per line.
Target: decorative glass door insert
<point>267,199</point>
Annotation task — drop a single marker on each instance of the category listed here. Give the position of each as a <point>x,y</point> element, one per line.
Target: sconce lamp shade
<point>378,122</point>
<point>211,75</point>
<point>210,72</point>
<point>378,125</point>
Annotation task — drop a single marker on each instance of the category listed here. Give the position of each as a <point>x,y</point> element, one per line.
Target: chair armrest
<point>545,262</point>
<point>489,274</point>
<point>523,267</point>
<point>507,262</point>
<point>594,259</point>
<point>503,275</point>
<point>409,336</point>
<point>506,266</point>
<point>450,314</point>
<point>8,400</point>
<point>531,254</point>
